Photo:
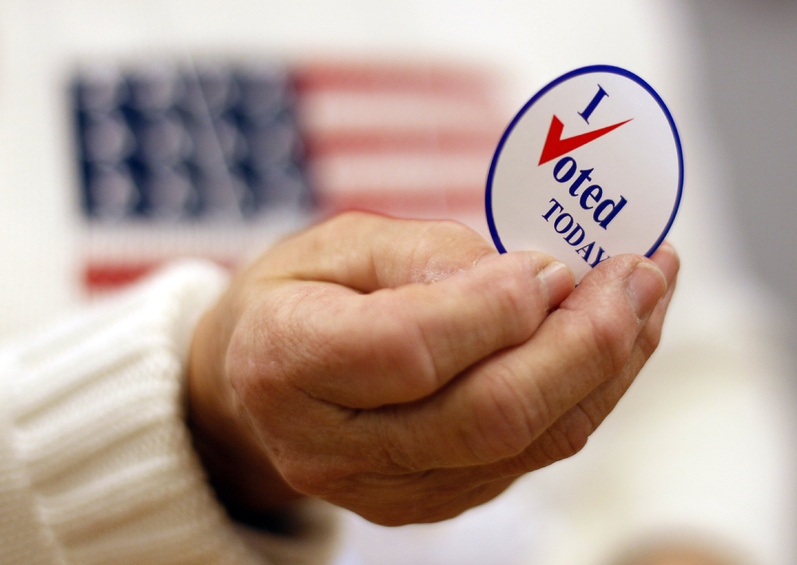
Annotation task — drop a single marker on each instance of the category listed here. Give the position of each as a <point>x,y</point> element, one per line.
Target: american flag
<point>210,159</point>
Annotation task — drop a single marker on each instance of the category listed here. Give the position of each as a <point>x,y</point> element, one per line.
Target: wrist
<point>237,464</point>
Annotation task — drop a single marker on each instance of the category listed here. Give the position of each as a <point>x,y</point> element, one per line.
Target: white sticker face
<point>591,167</point>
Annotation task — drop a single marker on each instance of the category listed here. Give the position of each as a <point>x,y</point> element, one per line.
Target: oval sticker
<point>591,167</point>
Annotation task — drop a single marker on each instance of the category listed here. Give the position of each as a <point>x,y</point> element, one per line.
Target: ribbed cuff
<point>98,414</point>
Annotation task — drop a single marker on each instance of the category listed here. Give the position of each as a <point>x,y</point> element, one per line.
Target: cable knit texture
<point>96,463</point>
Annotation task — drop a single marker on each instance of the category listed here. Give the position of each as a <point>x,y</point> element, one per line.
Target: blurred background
<point>133,133</point>
<point>749,64</point>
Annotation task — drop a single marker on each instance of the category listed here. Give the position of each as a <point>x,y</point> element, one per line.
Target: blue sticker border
<point>533,100</point>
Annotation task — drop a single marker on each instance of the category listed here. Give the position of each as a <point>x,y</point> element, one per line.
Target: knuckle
<point>568,435</point>
<point>396,348</point>
<point>449,230</point>
<point>307,479</point>
<point>504,424</point>
<point>244,365</point>
<point>399,447</point>
<point>445,247</point>
<point>649,340</point>
<point>309,470</point>
<point>295,347</point>
<point>422,497</point>
<point>517,300</point>
<point>605,338</point>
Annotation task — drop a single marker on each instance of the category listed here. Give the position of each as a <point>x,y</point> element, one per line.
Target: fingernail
<point>558,281</point>
<point>666,257</point>
<point>645,286</point>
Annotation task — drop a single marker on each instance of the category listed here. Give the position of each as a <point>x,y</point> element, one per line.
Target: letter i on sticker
<point>591,167</point>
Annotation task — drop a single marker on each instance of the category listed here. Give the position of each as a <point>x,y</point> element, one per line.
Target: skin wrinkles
<point>406,371</point>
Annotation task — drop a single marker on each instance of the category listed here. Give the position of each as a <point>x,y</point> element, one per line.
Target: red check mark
<point>555,146</point>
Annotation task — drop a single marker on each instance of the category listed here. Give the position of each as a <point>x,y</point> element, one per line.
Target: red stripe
<point>364,143</point>
<point>447,201</point>
<point>433,79</point>
<point>105,276</point>
<point>109,276</point>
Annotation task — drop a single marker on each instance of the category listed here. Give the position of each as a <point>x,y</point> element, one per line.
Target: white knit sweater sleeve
<point>96,463</point>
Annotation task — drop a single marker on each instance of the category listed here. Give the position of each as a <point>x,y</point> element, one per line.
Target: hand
<point>406,371</point>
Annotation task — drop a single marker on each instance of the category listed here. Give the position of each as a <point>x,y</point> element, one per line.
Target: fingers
<point>570,433</point>
<point>417,498</point>
<point>399,345</point>
<point>602,400</point>
<point>458,386</point>
<point>498,409</point>
<point>367,252</point>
